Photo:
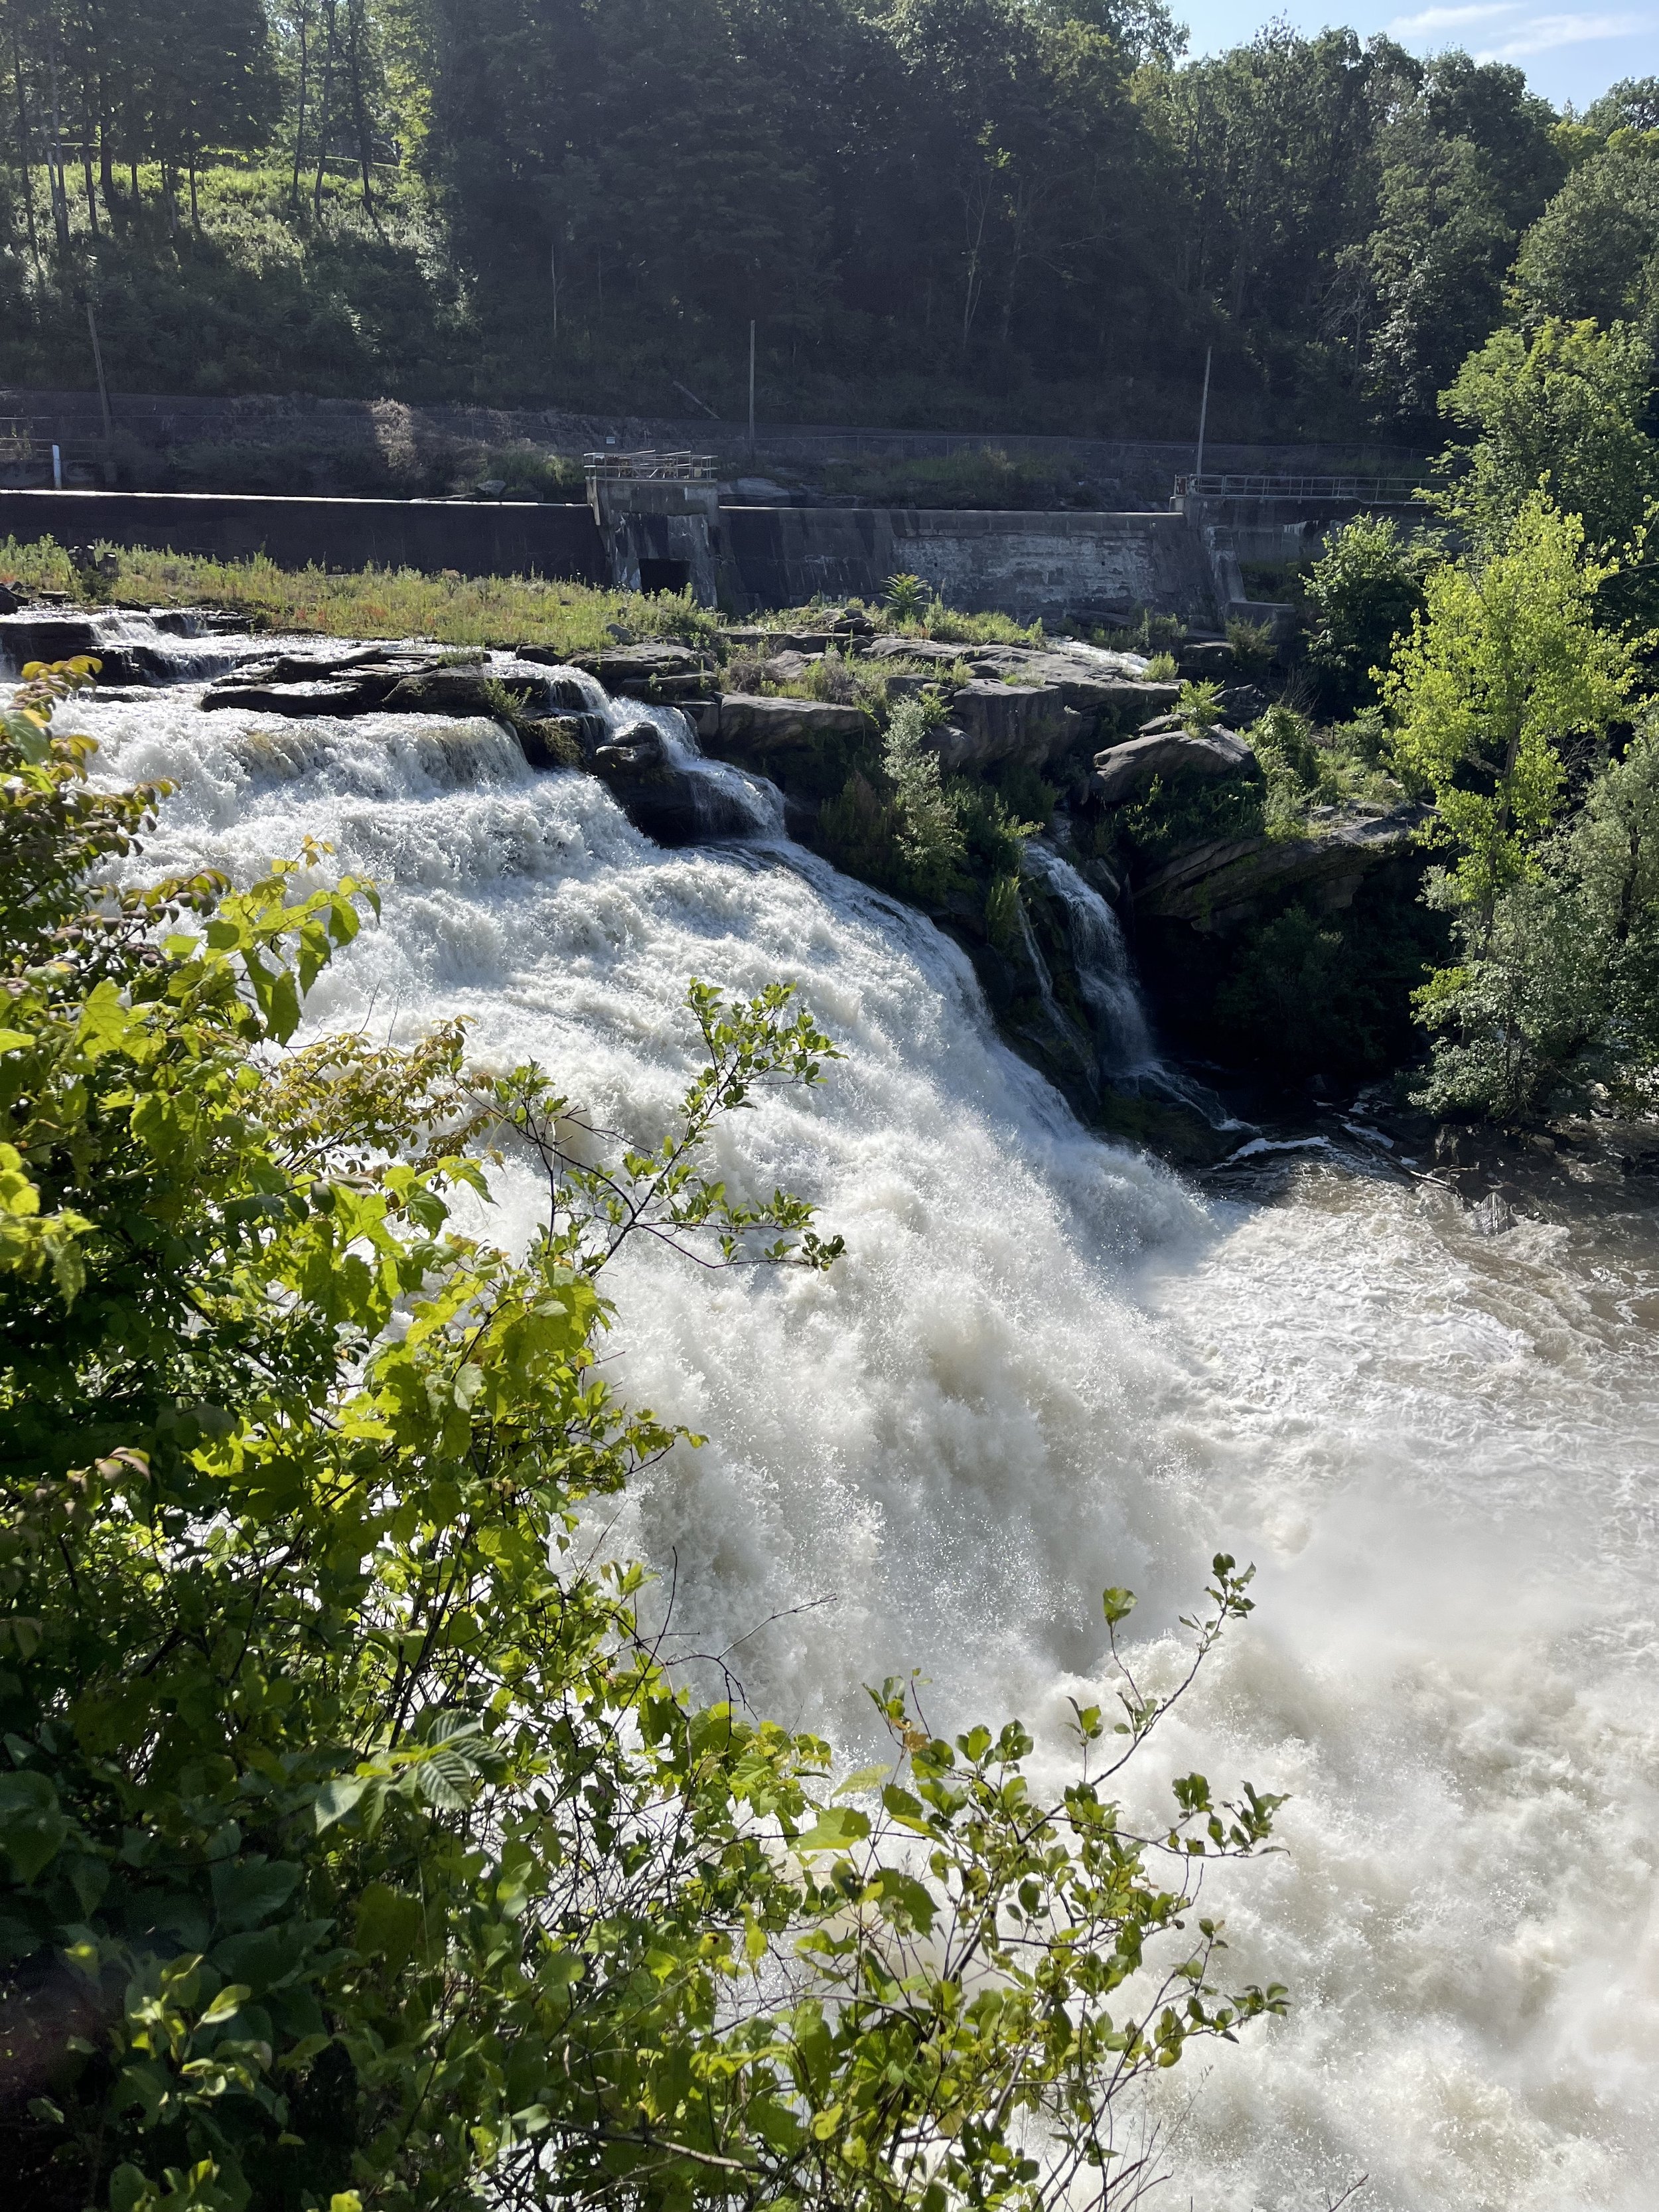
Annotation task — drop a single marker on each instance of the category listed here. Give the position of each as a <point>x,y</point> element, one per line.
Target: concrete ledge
<point>498,539</point>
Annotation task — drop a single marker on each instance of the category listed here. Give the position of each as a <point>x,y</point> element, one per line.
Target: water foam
<point>1045,1364</point>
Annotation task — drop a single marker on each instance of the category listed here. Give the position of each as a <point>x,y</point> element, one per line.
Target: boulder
<point>1216,886</point>
<point>789,667</point>
<point>1205,660</point>
<point>561,740</point>
<point>474,691</point>
<point>655,669</point>
<point>329,695</point>
<point>1108,686</point>
<point>636,751</point>
<point>32,636</point>
<point>673,803</point>
<point>912,649</point>
<point>992,721</point>
<point>1126,770</point>
<point>753,725</point>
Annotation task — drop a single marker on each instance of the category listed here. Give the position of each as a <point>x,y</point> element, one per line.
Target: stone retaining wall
<point>520,539</point>
<point>1057,565</point>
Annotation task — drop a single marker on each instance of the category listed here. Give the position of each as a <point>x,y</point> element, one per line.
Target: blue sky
<point>1568,53</point>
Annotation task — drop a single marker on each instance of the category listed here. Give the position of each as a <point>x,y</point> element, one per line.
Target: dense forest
<point>999,214</point>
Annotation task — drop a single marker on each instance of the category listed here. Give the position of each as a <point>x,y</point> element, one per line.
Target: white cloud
<point>1514,32</point>
<point>1542,34</point>
<point>1450,18</point>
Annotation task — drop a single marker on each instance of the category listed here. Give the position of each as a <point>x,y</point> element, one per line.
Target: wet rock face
<point>129,648</point>
<point>991,721</point>
<point>1217,886</point>
<point>1126,770</point>
<point>375,682</point>
<point>749,727</point>
<point>657,671</point>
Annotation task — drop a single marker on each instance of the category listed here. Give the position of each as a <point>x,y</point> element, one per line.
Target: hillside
<point>985,215</point>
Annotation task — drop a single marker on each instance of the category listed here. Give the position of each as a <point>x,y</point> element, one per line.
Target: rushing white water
<point>1045,1364</point>
<point>1104,974</point>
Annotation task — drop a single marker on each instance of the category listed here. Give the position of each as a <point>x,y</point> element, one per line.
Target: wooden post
<point>1203,415</point>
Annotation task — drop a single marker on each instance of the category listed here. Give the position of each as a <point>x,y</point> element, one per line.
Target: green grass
<point>449,609</point>
<point>466,611</point>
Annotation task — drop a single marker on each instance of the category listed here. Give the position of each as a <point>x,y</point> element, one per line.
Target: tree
<point>1503,667</point>
<point>1632,104</point>
<point>1558,1008</point>
<point>355,1848</point>
<point>1367,587</point>
<point>1565,410</point>
<point>1593,254</point>
<point>1465,165</point>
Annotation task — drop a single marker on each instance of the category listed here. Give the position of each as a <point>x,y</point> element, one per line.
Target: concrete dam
<point>657,522</point>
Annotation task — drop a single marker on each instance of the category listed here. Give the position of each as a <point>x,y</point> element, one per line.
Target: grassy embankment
<point>446,608</point>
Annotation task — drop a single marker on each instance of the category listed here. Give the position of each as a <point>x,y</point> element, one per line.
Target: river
<point>1046,1365</point>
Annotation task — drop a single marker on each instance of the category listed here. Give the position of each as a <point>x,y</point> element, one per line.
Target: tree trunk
<point>23,147</point>
<point>86,158</point>
<point>325,112</point>
<point>359,111</point>
<point>107,163</point>
<point>55,162</point>
<point>304,19</point>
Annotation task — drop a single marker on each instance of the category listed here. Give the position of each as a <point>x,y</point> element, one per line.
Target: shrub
<point>1365,587</point>
<point>904,597</point>
<point>354,1844</point>
<point>1252,645</point>
<point>929,816</point>
<point>1557,1004</point>
<point>1161,668</point>
<point>1505,665</point>
<point>1199,707</point>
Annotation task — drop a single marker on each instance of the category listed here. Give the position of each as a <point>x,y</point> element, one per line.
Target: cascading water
<point>1104,975</point>
<point>1043,1365</point>
<point>1128,1058</point>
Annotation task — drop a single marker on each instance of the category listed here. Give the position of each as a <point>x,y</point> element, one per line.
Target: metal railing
<point>651,468</point>
<point>1384,491</point>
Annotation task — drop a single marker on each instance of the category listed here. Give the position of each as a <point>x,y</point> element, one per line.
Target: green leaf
<point>336,1799</point>
<point>246,1890</point>
<point>835,1828</point>
<point>228,2003</point>
<point>32,1831</point>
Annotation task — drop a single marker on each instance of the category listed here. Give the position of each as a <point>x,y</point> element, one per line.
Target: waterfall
<point>1045,1364</point>
<point>1104,975</point>
<point>728,802</point>
<point>1127,1057</point>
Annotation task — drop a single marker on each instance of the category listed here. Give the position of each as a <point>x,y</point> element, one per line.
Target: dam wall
<point>1061,566</point>
<point>474,538</point>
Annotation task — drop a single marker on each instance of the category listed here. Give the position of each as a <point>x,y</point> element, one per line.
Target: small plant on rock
<point>1198,708</point>
<point>904,597</point>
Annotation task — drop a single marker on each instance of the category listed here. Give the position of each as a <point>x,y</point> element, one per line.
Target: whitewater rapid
<point>1046,1365</point>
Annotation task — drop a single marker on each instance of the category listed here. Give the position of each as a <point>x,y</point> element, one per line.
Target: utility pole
<point>752,390</point>
<point>103,395</point>
<point>1203,414</point>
